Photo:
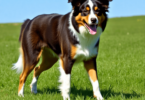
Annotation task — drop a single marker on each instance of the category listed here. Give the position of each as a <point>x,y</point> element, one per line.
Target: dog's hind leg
<point>29,63</point>
<point>48,59</point>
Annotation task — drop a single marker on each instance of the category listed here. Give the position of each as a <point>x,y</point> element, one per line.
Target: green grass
<point>121,65</point>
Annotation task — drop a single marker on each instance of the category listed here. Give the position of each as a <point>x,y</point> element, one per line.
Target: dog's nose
<point>93,20</point>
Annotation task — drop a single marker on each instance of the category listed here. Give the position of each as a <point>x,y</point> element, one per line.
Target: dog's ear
<point>75,3</point>
<point>104,3</point>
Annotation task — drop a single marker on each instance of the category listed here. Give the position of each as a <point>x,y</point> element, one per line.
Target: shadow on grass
<point>89,93</point>
<point>48,90</point>
<point>110,93</point>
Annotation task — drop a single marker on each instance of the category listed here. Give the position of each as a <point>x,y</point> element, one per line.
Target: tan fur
<point>101,19</point>
<point>73,51</point>
<point>87,8</point>
<point>95,8</point>
<point>24,75</point>
<point>39,54</point>
<point>61,62</point>
<point>26,71</point>
<point>21,79</point>
<point>79,19</point>
<point>90,67</point>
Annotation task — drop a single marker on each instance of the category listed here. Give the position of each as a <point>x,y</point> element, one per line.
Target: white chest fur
<point>86,48</point>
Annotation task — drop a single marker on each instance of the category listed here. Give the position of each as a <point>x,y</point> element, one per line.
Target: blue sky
<point>19,10</point>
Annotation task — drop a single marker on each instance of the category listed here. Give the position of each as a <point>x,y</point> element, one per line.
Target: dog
<point>69,38</point>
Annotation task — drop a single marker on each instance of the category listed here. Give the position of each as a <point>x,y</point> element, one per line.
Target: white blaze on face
<point>92,14</point>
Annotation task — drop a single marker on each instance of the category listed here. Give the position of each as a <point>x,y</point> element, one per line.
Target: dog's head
<point>90,14</point>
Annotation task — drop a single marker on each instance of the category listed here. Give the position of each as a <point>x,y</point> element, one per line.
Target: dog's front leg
<point>90,66</point>
<point>65,74</point>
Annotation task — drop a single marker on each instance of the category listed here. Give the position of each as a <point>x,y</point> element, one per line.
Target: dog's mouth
<point>91,28</point>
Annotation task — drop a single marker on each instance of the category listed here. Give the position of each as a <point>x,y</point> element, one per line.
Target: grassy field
<point>121,65</point>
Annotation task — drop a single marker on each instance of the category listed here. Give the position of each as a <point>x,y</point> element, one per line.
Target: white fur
<point>83,30</point>
<point>64,79</point>
<point>33,85</point>
<point>71,27</point>
<point>18,65</point>
<point>86,49</point>
<point>96,90</point>
<point>21,92</point>
<point>92,15</point>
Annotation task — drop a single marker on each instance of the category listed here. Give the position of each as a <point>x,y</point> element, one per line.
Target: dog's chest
<point>86,49</point>
<point>85,53</point>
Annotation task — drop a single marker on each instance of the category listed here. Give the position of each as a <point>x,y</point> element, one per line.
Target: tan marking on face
<point>95,8</point>
<point>88,8</point>
<point>79,19</point>
<point>101,19</point>
<point>90,67</point>
<point>73,51</point>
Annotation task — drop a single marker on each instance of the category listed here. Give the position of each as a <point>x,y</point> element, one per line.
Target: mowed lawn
<point>121,65</point>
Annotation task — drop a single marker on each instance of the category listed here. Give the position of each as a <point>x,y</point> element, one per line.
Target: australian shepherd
<point>69,38</point>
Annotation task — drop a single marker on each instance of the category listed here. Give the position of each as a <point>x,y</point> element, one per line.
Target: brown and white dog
<point>71,38</point>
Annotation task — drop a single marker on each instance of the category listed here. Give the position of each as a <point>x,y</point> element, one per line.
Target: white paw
<point>98,95</point>
<point>33,85</point>
<point>64,92</point>
<point>66,97</point>
<point>20,94</point>
<point>33,88</point>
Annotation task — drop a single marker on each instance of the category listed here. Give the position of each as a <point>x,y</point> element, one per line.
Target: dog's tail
<point>23,27</point>
<point>19,64</point>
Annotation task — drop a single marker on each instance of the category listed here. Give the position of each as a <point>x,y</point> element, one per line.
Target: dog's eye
<point>98,12</point>
<point>85,13</point>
